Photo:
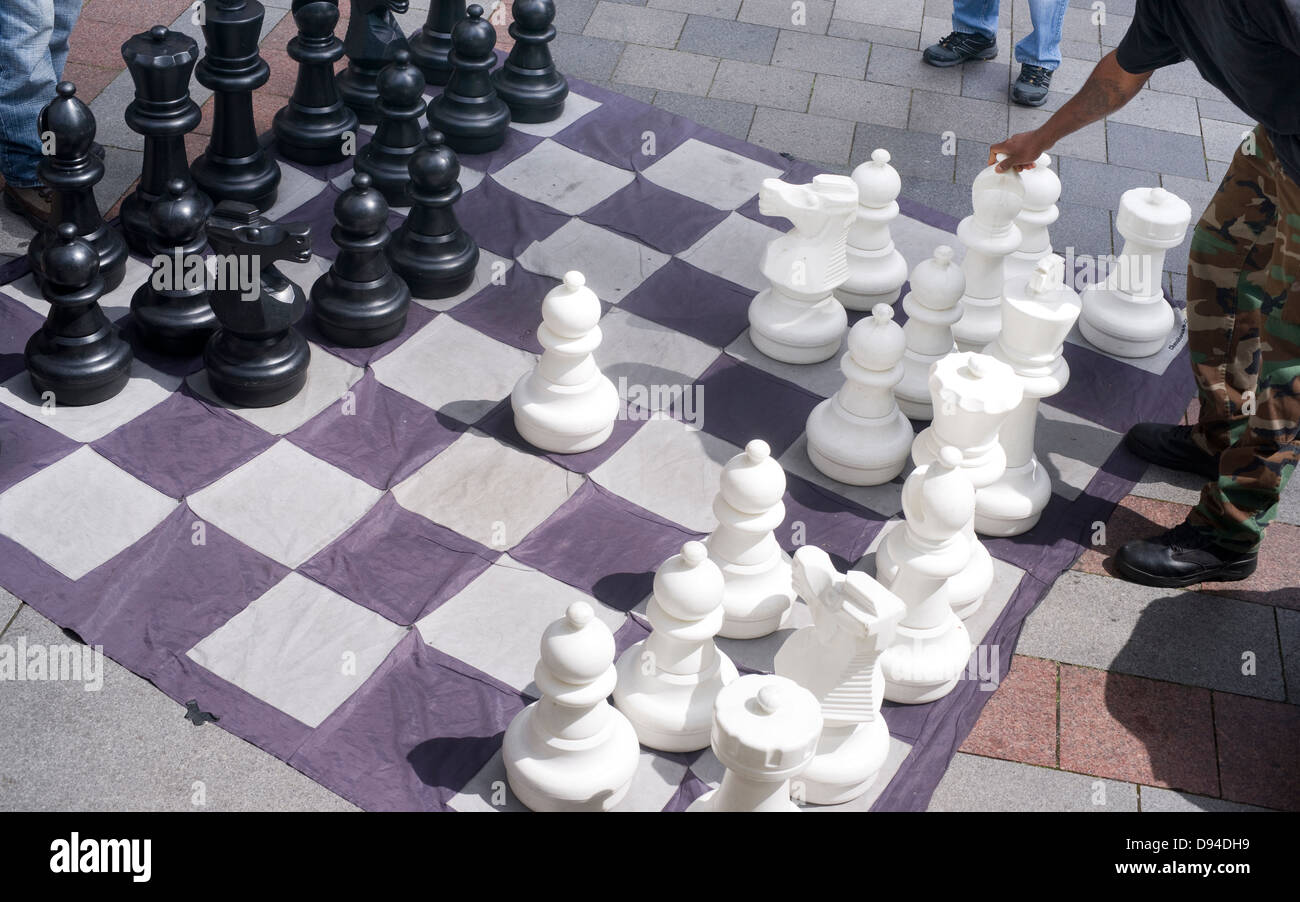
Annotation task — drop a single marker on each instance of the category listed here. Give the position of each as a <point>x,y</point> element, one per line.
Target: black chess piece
<point>360,302</point>
<point>72,172</point>
<point>234,166</point>
<point>160,62</point>
<point>388,155</point>
<point>314,125</point>
<point>372,40</point>
<point>528,81</point>
<point>430,250</point>
<point>431,45</point>
<point>469,112</point>
<point>256,358</point>
<point>77,356</point>
<point>171,310</point>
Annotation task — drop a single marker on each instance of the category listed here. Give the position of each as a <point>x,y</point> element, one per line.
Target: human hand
<point>1021,151</point>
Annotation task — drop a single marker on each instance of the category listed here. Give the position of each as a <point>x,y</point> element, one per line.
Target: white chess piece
<point>918,561</point>
<point>837,660</point>
<point>1042,191</point>
<point>876,269</point>
<point>859,436</point>
<point>1037,314</point>
<point>989,234</point>
<point>565,404</point>
<point>667,682</point>
<point>935,287</point>
<point>972,395</point>
<point>765,731</point>
<point>756,571</point>
<point>798,319</point>
<point>1127,314</point>
<point>571,750</point>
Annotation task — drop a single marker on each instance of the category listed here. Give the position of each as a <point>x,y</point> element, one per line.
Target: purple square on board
<point>17,325</point>
<point>816,516</point>
<point>603,545</point>
<point>663,219</point>
<point>500,424</point>
<point>504,222</point>
<point>692,301</point>
<point>745,403</point>
<point>416,318</point>
<point>510,313</point>
<point>26,447</point>
<point>628,134</point>
<point>1098,381</point>
<point>517,144</point>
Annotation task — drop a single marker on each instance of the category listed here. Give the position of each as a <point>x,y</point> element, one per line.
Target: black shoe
<point>1182,556</point>
<point>1031,87</point>
<point>1172,447</point>
<point>959,47</point>
<point>35,204</point>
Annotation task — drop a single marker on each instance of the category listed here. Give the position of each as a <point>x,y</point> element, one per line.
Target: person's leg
<point>27,80</point>
<point>66,13</point>
<point>974,35</point>
<point>975,17</point>
<point>1042,46</point>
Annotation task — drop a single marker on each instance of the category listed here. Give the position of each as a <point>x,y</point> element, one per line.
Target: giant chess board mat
<point>356,581</point>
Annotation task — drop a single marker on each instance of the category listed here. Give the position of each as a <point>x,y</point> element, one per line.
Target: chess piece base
<point>980,323</point>
<point>914,410</point>
<point>470,136</point>
<point>177,326</point>
<point>352,315</point>
<point>925,665</point>
<point>74,379</point>
<point>1123,327</point>
<point>564,419</point>
<point>849,756</point>
<point>432,267</point>
<point>315,140</point>
<point>1013,505</point>
<point>793,332</point>
<point>254,179</point>
<point>558,775</point>
<point>257,372</point>
<point>531,96</point>
<point>968,588</point>
<point>855,450</point>
<point>757,598</point>
<point>874,278</point>
<point>670,712</point>
<point>359,90</point>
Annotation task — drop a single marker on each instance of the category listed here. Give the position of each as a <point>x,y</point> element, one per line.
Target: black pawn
<point>171,310</point>
<point>160,62</point>
<point>372,40</point>
<point>360,302</point>
<point>430,250</point>
<point>72,172</point>
<point>313,126</point>
<point>388,155</point>
<point>469,112</point>
<point>431,45</point>
<point>235,167</point>
<point>528,81</point>
<point>256,358</point>
<point>77,356</point>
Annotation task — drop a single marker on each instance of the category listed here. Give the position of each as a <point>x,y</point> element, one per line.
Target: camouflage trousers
<point>1243,336</point>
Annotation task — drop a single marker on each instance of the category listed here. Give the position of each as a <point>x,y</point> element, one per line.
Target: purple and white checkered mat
<point>356,581</point>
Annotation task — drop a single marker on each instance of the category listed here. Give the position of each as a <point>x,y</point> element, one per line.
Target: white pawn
<point>1042,191</point>
<point>571,750</point>
<point>565,404</point>
<point>756,571</point>
<point>797,319</point>
<point>667,682</point>
<point>990,235</point>
<point>837,660</point>
<point>919,561</point>
<point>1127,314</point>
<point>765,731</point>
<point>859,436</point>
<point>1037,314</point>
<point>876,269</point>
<point>972,395</point>
<point>936,285</point>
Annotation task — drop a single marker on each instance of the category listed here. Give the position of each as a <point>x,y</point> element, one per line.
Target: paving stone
<point>1165,634</point>
<point>90,80</point>
<point>719,9</point>
<point>635,24</point>
<point>1019,722</point>
<point>1081,231</point>
<point>108,106</point>
<point>1183,78</point>
<point>1088,143</point>
<point>905,14</point>
<point>987,81</point>
<point>573,15</point>
<point>966,117</point>
<point>945,196</point>
<point>1096,184</point>
<point>1223,139</point>
<point>1153,798</point>
<point>1168,112</point>
<point>121,170</point>
<point>1133,145</point>
<point>900,66</point>
<point>1169,485</point>
<point>726,116</point>
<point>1257,751</point>
<point>636,92</point>
<point>819,53</point>
<point>914,154</point>
<point>1223,111</point>
<point>817,139</point>
<point>1087,50</point>
<point>766,86</point>
<point>875,34</point>
<point>860,101</point>
<point>974,783</point>
<point>1288,628</point>
<point>9,606</point>
<point>670,70</point>
<point>972,159</point>
<point>1288,511</point>
<point>591,59</point>
<point>1197,193</point>
<point>814,15</point>
<point>15,234</point>
<point>729,40</point>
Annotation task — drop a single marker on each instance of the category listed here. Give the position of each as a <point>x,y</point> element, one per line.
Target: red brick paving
<point>1019,721</point>
<point>90,80</point>
<point>100,43</point>
<point>141,15</point>
<point>1259,750</point>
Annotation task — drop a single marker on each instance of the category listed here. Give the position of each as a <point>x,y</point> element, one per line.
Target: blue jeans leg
<point>33,49</point>
<point>976,17</point>
<point>1042,46</point>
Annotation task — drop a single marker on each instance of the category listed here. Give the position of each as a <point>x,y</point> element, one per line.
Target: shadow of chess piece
<point>372,40</point>
<point>234,166</point>
<point>160,62</point>
<point>469,112</point>
<point>360,302</point>
<point>256,358</point>
<point>72,172</point>
<point>430,251</point>
<point>77,356</point>
<point>528,81</point>
<point>313,126</point>
<point>386,159</point>
<point>431,45</point>
<point>171,310</point>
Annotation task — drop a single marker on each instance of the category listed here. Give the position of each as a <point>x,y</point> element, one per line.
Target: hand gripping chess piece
<point>922,561</point>
<point>77,357</point>
<point>256,358</point>
<point>765,732</point>
<point>528,81</point>
<point>431,45</point>
<point>571,750</point>
<point>936,285</point>
<point>837,659</point>
<point>990,235</point>
<point>876,269</point>
<point>1042,191</point>
<point>1037,314</point>
<point>668,681</point>
<point>972,395</point>
<point>798,319</point>
<point>468,111</point>
<point>170,311</point>
<point>314,126</point>
<point>566,404</point>
<point>859,436</point>
<point>371,41</point>
<point>757,572</point>
<point>1127,314</point>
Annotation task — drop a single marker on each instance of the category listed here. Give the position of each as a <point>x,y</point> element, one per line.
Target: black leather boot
<point>1182,556</point>
<point>1172,447</point>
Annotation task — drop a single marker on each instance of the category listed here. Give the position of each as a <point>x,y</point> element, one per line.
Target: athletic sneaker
<point>959,47</point>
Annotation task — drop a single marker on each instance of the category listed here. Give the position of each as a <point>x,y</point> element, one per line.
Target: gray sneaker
<point>1031,87</point>
<point>959,47</point>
